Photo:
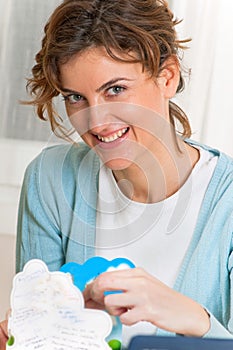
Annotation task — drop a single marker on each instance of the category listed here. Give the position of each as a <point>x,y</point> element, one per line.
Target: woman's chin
<point>117,164</point>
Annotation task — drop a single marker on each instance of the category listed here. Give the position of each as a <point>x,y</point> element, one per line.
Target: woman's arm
<point>38,235</point>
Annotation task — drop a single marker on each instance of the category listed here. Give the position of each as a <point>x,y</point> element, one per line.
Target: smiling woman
<point>146,44</point>
<point>90,95</point>
<point>135,181</point>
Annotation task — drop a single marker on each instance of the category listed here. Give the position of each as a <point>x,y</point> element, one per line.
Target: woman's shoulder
<point>58,155</point>
<point>225,161</point>
<point>59,152</point>
<point>64,160</point>
<point>221,183</point>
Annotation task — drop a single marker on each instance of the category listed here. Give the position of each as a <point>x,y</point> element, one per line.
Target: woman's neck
<point>156,177</point>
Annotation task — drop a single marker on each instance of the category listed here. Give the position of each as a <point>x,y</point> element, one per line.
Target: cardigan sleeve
<point>57,210</point>
<point>217,330</point>
<point>38,235</point>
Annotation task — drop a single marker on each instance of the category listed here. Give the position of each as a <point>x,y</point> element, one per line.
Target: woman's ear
<point>169,77</point>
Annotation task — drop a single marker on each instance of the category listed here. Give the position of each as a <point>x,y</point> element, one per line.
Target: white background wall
<point>207,98</point>
<point>22,135</point>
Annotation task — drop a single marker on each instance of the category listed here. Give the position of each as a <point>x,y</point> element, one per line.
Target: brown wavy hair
<point>144,27</point>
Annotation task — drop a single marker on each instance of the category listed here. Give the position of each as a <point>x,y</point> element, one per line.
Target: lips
<point>112,137</point>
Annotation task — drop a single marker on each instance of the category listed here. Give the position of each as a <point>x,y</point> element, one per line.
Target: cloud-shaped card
<point>48,313</point>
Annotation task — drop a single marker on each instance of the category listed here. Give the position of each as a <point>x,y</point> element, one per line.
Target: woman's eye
<point>115,90</point>
<point>72,99</point>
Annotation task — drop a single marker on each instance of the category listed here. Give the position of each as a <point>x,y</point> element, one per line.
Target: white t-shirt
<point>153,236</point>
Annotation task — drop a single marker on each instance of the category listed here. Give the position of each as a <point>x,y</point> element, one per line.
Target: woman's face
<point>118,110</point>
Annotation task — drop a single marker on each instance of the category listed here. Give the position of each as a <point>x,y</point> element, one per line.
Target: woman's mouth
<point>113,137</point>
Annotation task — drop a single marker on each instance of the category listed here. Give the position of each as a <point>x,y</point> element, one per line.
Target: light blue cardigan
<point>57,216</point>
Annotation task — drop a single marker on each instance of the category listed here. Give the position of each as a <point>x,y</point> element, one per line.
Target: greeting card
<point>48,310</point>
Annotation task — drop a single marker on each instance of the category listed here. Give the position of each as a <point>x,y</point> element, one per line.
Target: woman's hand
<point>3,335</point>
<point>145,298</point>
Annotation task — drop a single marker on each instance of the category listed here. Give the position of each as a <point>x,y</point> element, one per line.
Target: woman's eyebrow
<point>101,88</point>
<point>110,83</point>
<point>70,91</point>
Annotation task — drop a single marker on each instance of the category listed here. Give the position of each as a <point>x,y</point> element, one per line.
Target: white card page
<point>48,313</point>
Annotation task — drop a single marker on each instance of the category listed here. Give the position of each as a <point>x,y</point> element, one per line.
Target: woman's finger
<point>3,335</point>
<point>93,292</point>
<point>91,304</point>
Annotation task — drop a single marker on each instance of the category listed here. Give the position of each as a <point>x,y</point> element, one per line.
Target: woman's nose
<point>92,118</point>
<point>99,116</point>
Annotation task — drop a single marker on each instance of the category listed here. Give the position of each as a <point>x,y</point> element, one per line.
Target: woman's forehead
<point>97,61</point>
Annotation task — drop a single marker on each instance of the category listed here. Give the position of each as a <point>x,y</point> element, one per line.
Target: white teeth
<point>113,137</point>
